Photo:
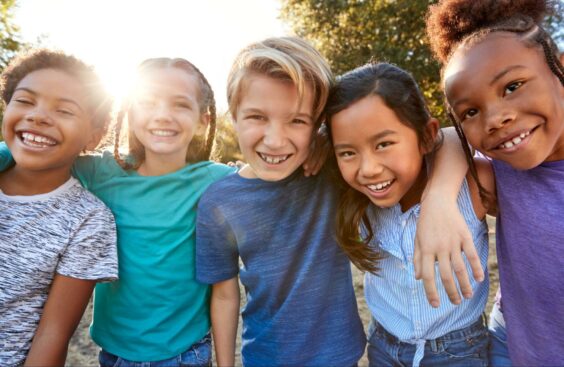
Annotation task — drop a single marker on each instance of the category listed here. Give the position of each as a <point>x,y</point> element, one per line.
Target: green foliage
<point>227,146</point>
<point>350,33</point>
<point>10,42</point>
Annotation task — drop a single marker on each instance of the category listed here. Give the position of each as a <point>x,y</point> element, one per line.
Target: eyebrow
<point>378,136</point>
<point>68,100</point>
<point>502,73</point>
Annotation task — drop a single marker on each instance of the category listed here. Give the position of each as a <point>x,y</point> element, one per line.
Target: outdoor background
<point>115,36</point>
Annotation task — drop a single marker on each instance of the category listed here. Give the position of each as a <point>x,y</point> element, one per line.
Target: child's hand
<point>239,164</point>
<point>442,234</point>
<point>319,150</point>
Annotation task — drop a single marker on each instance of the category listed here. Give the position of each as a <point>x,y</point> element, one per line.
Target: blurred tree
<point>352,32</point>
<point>227,146</point>
<point>10,42</point>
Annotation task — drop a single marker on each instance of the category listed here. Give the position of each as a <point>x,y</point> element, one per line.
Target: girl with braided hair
<point>157,312</point>
<point>504,86</point>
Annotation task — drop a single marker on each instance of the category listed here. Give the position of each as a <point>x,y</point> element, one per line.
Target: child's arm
<point>6,160</point>
<point>225,318</point>
<point>65,305</point>
<point>442,233</point>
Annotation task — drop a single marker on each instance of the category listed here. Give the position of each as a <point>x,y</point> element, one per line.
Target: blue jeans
<point>198,355</point>
<point>499,354</point>
<point>465,347</point>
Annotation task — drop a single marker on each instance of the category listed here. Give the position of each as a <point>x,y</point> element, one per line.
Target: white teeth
<point>515,141</point>
<point>37,140</point>
<point>163,132</point>
<point>380,186</point>
<point>273,160</point>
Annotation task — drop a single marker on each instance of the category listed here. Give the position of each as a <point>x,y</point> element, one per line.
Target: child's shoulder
<point>218,170</point>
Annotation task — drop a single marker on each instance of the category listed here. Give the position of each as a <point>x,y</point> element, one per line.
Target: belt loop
<point>433,344</point>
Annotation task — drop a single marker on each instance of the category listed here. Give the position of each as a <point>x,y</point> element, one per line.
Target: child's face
<point>273,128</point>
<point>165,114</point>
<point>47,122</point>
<point>510,104</point>
<point>377,154</point>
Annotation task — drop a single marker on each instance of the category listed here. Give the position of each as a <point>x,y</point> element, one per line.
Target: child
<point>504,85</point>
<point>301,308</point>
<point>56,239</point>
<point>382,131</point>
<point>157,312</point>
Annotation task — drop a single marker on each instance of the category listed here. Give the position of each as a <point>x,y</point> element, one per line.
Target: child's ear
<point>203,124</point>
<point>430,135</point>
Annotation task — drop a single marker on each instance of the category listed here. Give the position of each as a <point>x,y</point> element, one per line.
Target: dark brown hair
<point>200,148</point>
<point>452,23</point>
<point>400,93</point>
<point>100,103</point>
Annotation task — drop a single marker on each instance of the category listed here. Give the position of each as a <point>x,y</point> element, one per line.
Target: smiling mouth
<point>163,133</point>
<point>36,141</point>
<point>270,159</point>
<point>380,186</point>
<point>514,141</point>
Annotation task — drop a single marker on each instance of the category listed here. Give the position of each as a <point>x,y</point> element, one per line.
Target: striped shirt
<point>397,300</point>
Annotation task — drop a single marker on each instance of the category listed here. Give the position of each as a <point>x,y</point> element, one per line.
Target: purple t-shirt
<point>530,253</point>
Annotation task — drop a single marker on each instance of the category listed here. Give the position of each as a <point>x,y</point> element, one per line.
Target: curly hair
<point>450,22</point>
<point>200,148</point>
<point>100,103</point>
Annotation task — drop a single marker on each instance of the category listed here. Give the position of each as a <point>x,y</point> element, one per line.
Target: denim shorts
<point>198,355</point>
<point>464,347</point>
<point>499,354</point>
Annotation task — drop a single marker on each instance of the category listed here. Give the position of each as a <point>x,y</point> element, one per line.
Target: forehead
<point>488,57</point>
<point>262,91</point>
<point>56,84</point>
<point>169,80</point>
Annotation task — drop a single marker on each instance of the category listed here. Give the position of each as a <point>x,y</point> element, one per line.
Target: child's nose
<point>38,115</point>
<point>274,136</point>
<point>370,167</point>
<point>496,118</point>
<point>162,112</point>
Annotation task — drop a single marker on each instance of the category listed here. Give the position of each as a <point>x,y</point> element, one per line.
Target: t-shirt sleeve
<point>92,253</point>
<point>6,159</point>
<point>217,255</point>
<point>84,169</point>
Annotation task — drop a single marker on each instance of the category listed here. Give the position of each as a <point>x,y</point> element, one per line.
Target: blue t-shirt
<point>301,308</point>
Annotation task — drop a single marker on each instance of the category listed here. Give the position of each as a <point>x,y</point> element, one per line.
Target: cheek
<point>347,171</point>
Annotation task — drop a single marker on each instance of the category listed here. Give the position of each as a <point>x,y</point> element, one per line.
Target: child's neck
<point>18,181</point>
<point>158,166</point>
<point>413,195</point>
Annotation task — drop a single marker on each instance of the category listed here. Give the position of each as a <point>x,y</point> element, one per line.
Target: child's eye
<point>66,112</point>
<point>512,87</point>
<point>345,154</point>
<point>23,101</point>
<point>256,117</point>
<point>299,121</point>
<point>383,144</point>
<point>469,113</point>
<point>183,105</point>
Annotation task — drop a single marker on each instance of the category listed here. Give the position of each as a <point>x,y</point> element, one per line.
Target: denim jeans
<point>198,355</point>
<point>499,354</point>
<point>465,347</point>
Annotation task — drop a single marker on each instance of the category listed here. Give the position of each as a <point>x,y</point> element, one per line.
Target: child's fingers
<point>427,272</point>
<point>461,274</point>
<point>473,258</point>
<point>447,279</point>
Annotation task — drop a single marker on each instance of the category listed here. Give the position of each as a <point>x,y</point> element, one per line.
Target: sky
<point>116,35</point>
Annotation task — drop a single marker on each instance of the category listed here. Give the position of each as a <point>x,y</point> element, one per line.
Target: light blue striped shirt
<point>397,300</point>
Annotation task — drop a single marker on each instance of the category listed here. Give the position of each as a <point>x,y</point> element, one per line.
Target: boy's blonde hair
<point>283,58</point>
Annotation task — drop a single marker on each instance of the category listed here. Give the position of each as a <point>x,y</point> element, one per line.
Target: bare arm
<point>63,310</point>
<point>225,318</point>
<point>442,233</point>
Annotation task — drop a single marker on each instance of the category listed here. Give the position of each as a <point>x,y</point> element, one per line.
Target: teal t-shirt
<point>157,309</point>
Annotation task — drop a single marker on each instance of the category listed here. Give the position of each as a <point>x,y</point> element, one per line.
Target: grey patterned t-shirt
<point>68,232</point>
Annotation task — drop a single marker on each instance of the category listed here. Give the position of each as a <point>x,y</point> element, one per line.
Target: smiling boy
<point>301,308</point>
